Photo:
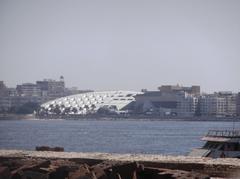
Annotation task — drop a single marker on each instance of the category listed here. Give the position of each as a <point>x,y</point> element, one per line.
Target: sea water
<point>121,136</point>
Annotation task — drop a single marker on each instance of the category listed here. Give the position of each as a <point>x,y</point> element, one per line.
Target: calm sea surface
<point>152,137</point>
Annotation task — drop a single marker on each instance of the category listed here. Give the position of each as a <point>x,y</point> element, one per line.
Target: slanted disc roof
<point>92,101</point>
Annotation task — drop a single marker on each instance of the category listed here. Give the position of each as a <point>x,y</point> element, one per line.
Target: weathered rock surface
<point>47,148</point>
<point>4,173</point>
<point>107,166</point>
<point>62,169</point>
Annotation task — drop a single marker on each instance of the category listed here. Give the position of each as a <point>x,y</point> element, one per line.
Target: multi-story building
<point>238,104</point>
<point>38,93</point>
<point>187,105</point>
<point>28,89</point>
<point>12,92</point>
<point>3,89</point>
<point>170,100</point>
<point>156,102</point>
<point>231,103</point>
<point>5,103</point>
<point>75,90</point>
<point>194,90</point>
<point>212,105</point>
<point>219,104</point>
<point>52,89</point>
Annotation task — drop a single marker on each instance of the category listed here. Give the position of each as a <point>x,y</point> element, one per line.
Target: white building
<point>90,102</point>
<point>219,104</point>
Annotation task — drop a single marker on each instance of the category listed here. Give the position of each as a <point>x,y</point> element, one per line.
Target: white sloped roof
<point>87,101</point>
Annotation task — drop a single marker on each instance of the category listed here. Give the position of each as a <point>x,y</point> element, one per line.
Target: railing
<point>223,133</point>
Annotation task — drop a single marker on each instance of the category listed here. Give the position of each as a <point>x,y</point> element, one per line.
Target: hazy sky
<point>124,44</point>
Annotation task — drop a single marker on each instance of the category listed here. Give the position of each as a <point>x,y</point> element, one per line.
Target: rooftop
<point>224,133</point>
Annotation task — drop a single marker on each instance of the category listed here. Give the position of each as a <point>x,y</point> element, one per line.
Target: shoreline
<point>118,118</point>
<point>220,167</point>
<point>119,157</point>
<point>16,116</point>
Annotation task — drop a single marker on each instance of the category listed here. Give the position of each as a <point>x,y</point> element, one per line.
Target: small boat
<point>219,144</point>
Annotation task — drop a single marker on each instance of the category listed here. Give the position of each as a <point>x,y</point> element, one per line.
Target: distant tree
<point>93,106</point>
<point>12,109</point>
<point>3,110</point>
<point>67,110</point>
<point>86,107</point>
<point>27,108</point>
<point>42,111</point>
<point>102,110</point>
<point>57,109</point>
<point>74,110</point>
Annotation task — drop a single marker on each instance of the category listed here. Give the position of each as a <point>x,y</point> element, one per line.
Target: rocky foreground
<point>17,164</point>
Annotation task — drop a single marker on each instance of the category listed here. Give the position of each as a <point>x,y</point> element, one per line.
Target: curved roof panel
<point>89,102</point>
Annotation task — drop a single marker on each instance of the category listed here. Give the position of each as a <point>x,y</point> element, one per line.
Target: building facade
<point>51,89</point>
<point>28,89</point>
<point>3,89</point>
<point>38,93</point>
<point>167,103</point>
<point>238,104</point>
<point>221,104</point>
<point>193,90</point>
<point>187,105</point>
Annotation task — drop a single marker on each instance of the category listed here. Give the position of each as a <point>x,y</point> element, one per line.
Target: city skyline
<point>157,88</point>
<point>127,45</point>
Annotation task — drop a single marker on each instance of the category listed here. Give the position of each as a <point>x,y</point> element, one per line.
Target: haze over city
<point>130,45</point>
